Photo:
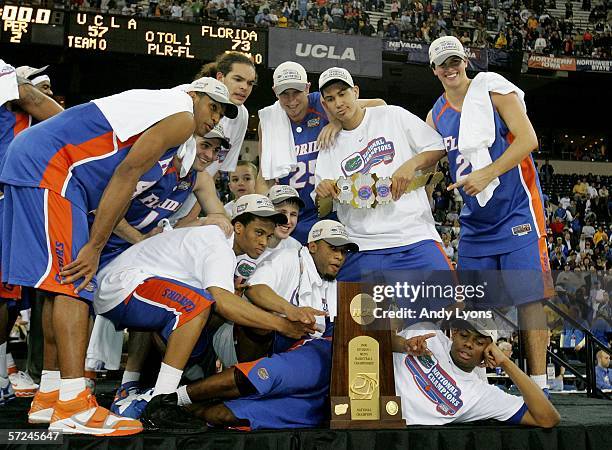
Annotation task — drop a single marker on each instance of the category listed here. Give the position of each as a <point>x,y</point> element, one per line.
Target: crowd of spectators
<point>515,25</point>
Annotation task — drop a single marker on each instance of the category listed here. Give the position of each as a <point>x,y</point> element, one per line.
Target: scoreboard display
<point>147,36</point>
<point>31,25</point>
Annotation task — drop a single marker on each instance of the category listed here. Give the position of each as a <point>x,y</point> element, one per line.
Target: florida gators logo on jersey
<point>435,383</point>
<point>378,150</point>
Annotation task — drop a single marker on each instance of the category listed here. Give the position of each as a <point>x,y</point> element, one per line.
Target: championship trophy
<point>362,390</point>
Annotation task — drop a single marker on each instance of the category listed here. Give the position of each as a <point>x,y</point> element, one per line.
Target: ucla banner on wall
<point>360,55</point>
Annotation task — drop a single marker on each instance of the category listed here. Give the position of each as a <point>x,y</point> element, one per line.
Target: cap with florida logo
<point>259,205</point>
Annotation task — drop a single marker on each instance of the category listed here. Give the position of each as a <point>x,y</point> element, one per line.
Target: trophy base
<point>390,415</point>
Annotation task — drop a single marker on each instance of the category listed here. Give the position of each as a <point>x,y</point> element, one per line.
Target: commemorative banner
<point>418,53</point>
<point>317,52</point>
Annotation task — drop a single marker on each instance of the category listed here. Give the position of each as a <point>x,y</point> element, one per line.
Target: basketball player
<point>437,383</point>
<point>87,158</point>
<point>20,104</point>
<point>400,235</point>
<point>288,389</point>
<point>237,72</point>
<point>307,119</point>
<point>146,290</point>
<point>509,232</point>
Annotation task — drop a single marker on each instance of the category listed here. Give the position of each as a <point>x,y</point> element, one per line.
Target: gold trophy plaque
<point>362,389</point>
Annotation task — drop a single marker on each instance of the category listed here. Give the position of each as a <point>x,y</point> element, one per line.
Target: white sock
<point>183,396</point>
<point>10,362</point>
<point>540,380</point>
<point>3,366</point>
<point>130,376</point>
<point>70,388</point>
<point>49,381</point>
<point>167,380</point>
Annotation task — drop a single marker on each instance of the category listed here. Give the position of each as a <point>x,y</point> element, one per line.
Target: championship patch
<point>435,384</point>
<point>313,122</point>
<point>184,185</point>
<point>378,150</point>
<point>521,230</point>
<point>262,373</point>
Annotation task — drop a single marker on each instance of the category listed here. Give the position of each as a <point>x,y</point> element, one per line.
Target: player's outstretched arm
<point>540,411</point>
<point>206,194</point>
<point>146,151</point>
<point>241,312</point>
<point>264,296</point>
<point>37,104</point>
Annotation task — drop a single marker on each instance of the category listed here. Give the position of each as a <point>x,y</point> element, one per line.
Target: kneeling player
<point>169,282</point>
<point>289,389</point>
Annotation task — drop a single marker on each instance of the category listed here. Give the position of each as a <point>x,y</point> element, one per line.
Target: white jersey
<point>434,391</point>
<point>197,256</point>
<point>234,130</point>
<point>229,207</point>
<point>283,244</point>
<point>387,137</point>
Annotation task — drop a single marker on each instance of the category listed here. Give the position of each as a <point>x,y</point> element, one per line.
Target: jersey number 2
<point>296,180</point>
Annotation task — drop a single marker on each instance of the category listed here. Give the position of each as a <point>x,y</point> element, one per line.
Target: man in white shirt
<point>169,282</point>
<point>437,383</point>
<point>387,141</point>
<point>290,388</point>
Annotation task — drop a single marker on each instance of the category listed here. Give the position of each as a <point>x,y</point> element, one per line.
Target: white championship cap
<point>215,90</point>
<point>217,133</point>
<point>257,204</point>
<point>484,326</point>
<point>281,192</point>
<point>443,48</point>
<point>289,75</point>
<point>331,232</point>
<point>335,74</point>
<point>28,72</point>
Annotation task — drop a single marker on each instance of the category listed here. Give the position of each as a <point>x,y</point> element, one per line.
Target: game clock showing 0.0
<point>138,35</point>
<point>31,25</point>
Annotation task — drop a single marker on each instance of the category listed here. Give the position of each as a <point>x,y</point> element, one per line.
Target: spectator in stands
<point>557,227</point>
<point>571,335</point>
<point>547,171</point>
<point>501,42</point>
<point>603,372</point>
<point>447,246</point>
<point>600,237</point>
<point>580,190</point>
<point>588,230</point>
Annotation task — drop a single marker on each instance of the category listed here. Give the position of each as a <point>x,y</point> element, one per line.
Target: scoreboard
<point>147,36</point>
<point>31,25</point>
<point>128,34</point>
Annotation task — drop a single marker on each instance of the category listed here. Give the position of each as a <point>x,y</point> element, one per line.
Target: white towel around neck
<point>314,291</point>
<point>134,111</point>
<point>278,157</point>
<point>9,89</point>
<point>477,124</point>
<point>187,154</point>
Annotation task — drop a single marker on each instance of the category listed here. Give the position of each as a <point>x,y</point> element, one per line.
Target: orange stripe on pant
<point>59,165</point>
<point>529,175</point>
<point>549,288</point>
<point>187,302</point>
<point>448,261</point>
<point>59,226</point>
